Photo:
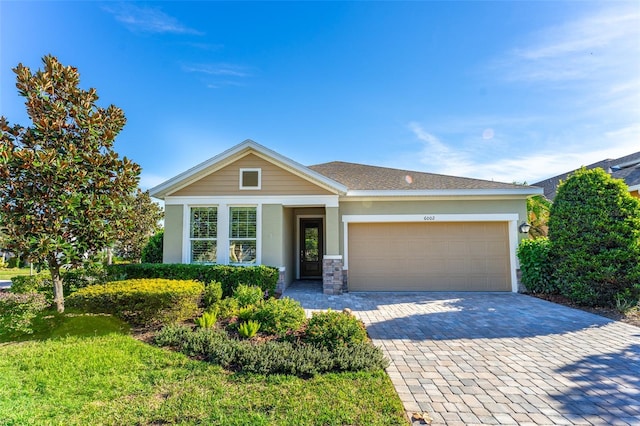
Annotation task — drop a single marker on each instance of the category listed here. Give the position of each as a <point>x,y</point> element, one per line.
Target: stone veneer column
<point>332,274</point>
<point>281,285</point>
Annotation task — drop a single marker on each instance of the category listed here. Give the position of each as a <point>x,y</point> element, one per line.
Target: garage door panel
<point>470,256</point>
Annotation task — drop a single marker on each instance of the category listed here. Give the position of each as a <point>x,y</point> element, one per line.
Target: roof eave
<point>526,191</point>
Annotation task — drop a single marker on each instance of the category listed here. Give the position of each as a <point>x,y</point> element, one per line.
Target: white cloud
<point>218,75</point>
<point>590,48</point>
<point>147,19</point>
<point>580,87</point>
<point>524,163</point>
<point>229,70</point>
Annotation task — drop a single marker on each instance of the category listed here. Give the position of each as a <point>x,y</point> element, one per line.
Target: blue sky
<point>510,91</point>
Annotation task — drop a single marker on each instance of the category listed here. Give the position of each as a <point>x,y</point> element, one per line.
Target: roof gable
<point>232,155</point>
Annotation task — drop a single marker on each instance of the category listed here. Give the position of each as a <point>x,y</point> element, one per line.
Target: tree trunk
<point>58,295</point>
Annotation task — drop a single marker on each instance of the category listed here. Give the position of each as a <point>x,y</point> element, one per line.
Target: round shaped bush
<point>248,295</point>
<point>594,230</point>
<point>333,329</point>
<point>279,315</point>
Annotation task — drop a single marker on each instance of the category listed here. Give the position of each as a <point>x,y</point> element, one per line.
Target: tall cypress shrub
<point>594,232</point>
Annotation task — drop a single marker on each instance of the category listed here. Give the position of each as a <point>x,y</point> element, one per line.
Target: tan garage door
<point>469,256</point>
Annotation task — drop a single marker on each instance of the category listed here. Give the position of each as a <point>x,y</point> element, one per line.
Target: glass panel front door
<point>311,247</point>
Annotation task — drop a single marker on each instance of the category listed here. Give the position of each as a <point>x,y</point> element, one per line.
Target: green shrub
<point>172,335</point>
<point>248,295</point>
<point>141,302</point>
<point>278,316</point>
<point>594,233</point>
<point>249,329</point>
<point>534,265</point>
<point>40,283</point>
<point>211,344</point>
<point>333,329</point>
<point>206,320</point>
<point>17,311</point>
<point>227,308</point>
<point>247,313</point>
<point>212,294</point>
<point>152,251</point>
<point>265,277</point>
<point>272,357</point>
<point>359,357</point>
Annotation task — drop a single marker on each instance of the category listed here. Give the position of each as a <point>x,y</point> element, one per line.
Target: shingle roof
<point>362,177</point>
<point>626,168</point>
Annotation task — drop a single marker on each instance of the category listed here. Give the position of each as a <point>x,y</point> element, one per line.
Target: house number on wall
<point>429,218</point>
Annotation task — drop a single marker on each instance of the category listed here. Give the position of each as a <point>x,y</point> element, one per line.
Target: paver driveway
<point>498,358</point>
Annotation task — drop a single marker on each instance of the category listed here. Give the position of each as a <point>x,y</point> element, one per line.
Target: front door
<point>311,248</point>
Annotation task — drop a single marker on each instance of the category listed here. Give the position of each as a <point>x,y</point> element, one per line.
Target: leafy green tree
<point>152,252</point>
<point>145,216</point>
<point>64,190</point>
<point>594,233</point>
<point>538,210</point>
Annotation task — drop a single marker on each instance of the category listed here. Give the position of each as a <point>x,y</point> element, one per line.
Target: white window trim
<point>251,188</point>
<point>186,231</point>
<point>511,218</point>
<point>258,208</point>
<point>223,231</point>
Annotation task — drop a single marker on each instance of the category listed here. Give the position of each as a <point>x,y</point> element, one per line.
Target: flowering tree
<point>63,189</point>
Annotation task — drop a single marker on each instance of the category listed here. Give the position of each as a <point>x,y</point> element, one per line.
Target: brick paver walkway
<point>498,358</point>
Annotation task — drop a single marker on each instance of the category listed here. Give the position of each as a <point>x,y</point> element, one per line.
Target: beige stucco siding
<point>461,256</point>
<point>272,235</point>
<point>274,181</point>
<point>173,226</point>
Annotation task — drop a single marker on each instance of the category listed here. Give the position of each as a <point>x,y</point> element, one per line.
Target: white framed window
<point>203,235</point>
<point>243,231</point>
<point>250,178</point>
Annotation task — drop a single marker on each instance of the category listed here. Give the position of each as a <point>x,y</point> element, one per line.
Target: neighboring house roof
<point>626,168</point>
<point>351,179</point>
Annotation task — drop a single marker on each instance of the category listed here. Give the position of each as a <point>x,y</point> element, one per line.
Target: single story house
<point>626,168</point>
<point>353,226</point>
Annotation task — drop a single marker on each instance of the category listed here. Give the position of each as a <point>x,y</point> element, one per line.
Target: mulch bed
<point>630,317</point>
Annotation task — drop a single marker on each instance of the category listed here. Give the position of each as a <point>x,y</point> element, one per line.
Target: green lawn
<point>8,273</point>
<point>88,370</point>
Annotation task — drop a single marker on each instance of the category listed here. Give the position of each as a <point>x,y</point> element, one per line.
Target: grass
<point>8,273</point>
<point>80,369</point>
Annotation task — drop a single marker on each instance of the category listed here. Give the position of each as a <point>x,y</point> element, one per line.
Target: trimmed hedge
<point>265,277</point>
<point>145,302</point>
